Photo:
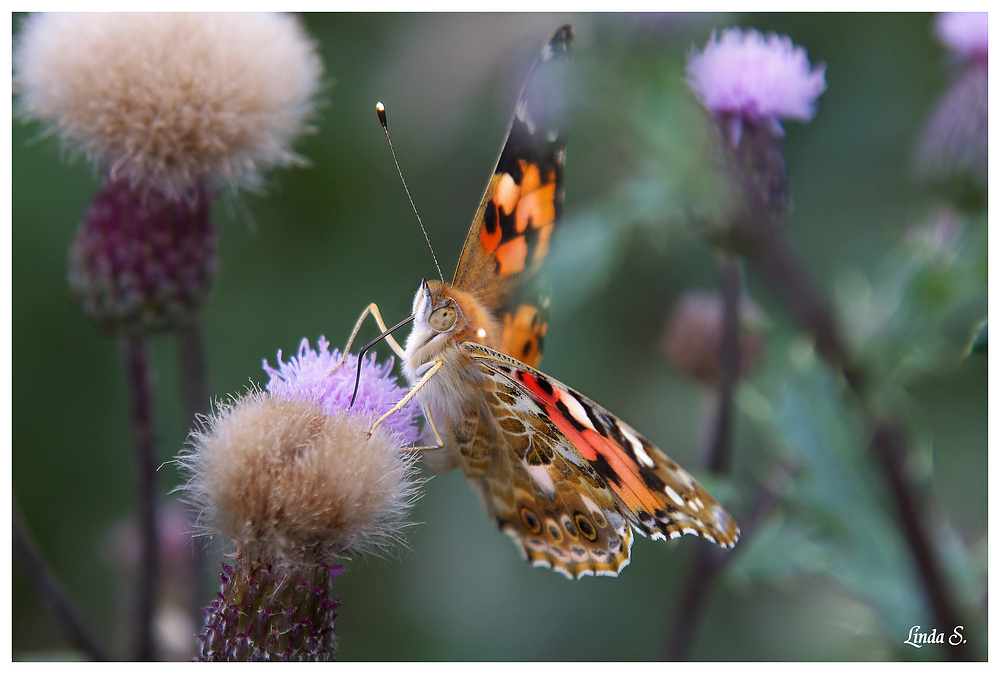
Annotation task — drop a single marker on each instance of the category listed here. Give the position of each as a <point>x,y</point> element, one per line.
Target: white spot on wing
<point>540,476</point>
<point>683,476</point>
<point>591,506</point>
<point>720,518</point>
<point>637,447</point>
<point>576,409</point>
<point>525,116</point>
<point>674,496</point>
<point>480,333</point>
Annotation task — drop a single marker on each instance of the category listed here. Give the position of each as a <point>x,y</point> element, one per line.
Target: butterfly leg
<point>430,369</point>
<point>373,310</point>
<point>434,429</point>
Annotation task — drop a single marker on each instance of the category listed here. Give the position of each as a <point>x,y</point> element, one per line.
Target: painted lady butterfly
<point>565,478</point>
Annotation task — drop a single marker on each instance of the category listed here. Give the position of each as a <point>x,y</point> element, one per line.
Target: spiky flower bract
<point>141,263</point>
<point>747,78</point>
<point>952,150</point>
<point>163,101</point>
<point>272,614</point>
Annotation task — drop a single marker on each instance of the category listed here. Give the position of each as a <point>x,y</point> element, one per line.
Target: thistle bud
<point>693,339</point>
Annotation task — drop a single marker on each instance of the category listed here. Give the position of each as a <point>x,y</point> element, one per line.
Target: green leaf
<point>840,494</point>
<point>781,548</point>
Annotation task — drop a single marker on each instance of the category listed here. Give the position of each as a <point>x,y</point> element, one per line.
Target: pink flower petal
<point>756,78</point>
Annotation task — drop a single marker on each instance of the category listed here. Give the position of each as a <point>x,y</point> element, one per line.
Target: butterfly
<point>565,478</point>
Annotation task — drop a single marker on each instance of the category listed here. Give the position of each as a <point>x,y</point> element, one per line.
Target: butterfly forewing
<point>512,232</point>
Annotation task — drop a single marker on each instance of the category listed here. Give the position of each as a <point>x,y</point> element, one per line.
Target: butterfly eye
<point>443,318</point>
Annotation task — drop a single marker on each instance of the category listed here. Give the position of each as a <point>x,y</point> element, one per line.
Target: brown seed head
<point>293,485</point>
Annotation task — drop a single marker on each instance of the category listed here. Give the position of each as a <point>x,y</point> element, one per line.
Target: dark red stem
<point>194,382</point>
<point>720,445</point>
<point>138,374</point>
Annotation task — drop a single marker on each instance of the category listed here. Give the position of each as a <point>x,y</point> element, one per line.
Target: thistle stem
<point>194,371</point>
<point>720,445</point>
<point>708,559</point>
<point>194,382</point>
<point>49,588</point>
<point>135,356</point>
<point>780,264</point>
<point>890,446</point>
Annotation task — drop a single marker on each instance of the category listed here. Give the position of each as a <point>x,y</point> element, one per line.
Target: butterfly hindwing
<point>512,231</point>
<point>658,497</point>
<point>558,510</point>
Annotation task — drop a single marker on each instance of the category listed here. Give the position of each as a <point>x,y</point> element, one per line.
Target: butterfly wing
<point>513,228</point>
<point>559,511</point>
<point>603,461</point>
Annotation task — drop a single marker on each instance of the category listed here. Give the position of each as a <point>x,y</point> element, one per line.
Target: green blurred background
<point>305,258</point>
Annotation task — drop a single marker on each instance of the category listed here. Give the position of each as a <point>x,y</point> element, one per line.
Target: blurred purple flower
<point>749,78</point>
<point>307,376</point>
<point>964,33</point>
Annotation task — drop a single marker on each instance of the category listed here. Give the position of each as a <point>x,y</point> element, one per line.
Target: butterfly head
<point>444,316</point>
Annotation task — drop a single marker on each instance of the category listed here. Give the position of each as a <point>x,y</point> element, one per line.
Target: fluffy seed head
<point>165,100</point>
<point>293,478</point>
<point>747,77</point>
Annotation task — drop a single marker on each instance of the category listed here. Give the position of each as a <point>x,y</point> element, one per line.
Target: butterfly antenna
<point>380,109</point>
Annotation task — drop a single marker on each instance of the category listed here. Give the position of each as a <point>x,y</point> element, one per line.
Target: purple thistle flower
<point>306,376</point>
<point>964,33</point>
<point>747,78</point>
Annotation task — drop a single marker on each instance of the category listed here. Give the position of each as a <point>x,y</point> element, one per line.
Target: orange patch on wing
<point>633,491</point>
<point>512,255</point>
<point>542,249</point>
<point>521,333</point>
<point>531,178</point>
<point>537,207</point>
